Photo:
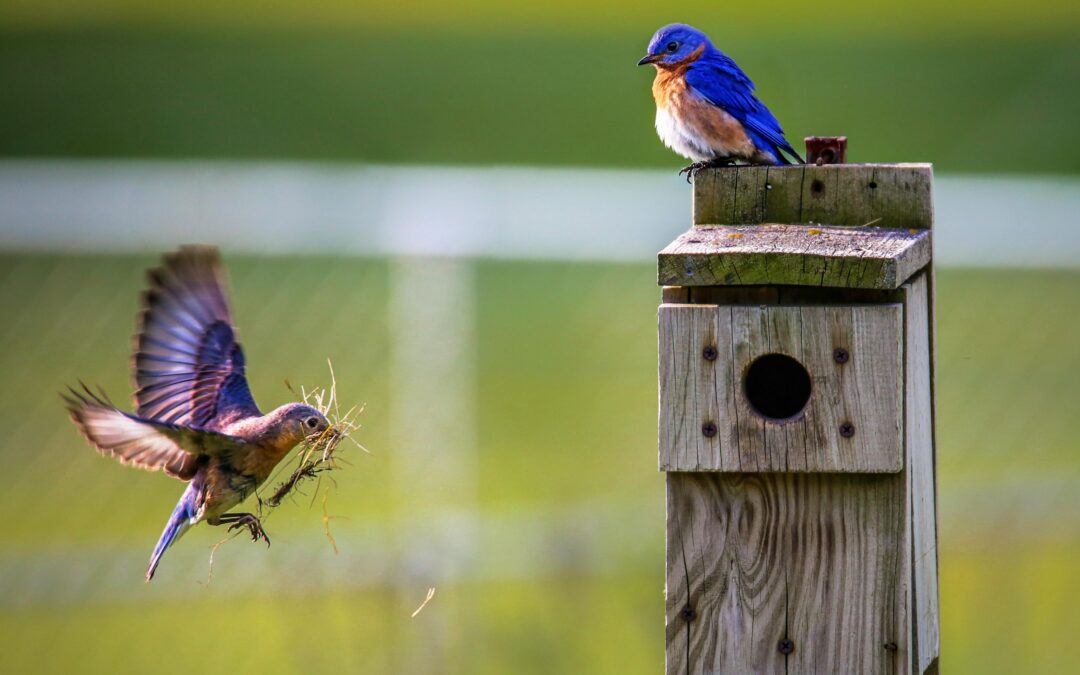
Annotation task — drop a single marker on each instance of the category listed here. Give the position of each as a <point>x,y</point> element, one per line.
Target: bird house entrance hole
<point>777,387</point>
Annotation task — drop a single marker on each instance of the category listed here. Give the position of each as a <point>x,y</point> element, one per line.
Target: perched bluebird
<point>706,109</point>
<point>195,417</point>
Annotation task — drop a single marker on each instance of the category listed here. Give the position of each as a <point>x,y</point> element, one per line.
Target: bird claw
<point>255,528</point>
<point>692,169</point>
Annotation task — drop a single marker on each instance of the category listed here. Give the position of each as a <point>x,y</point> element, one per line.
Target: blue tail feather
<point>179,522</point>
<point>776,150</point>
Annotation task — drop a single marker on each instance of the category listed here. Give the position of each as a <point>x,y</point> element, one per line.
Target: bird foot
<point>692,170</point>
<point>255,528</point>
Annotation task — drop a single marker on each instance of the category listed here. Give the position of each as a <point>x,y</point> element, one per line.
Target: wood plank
<point>714,195</point>
<point>919,447</point>
<point>892,195</point>
<point>903,198</point>
<point>747,335</point>
<point>675,294</point>
<point>864,391</point>
<point>798,255</point>
<point>820,192</point>
<point>851,206</point>
<point>794,444</point>
<point>750,196</point>
<point>783,203</point>
<point>756,558</point>
<point>696,391</point>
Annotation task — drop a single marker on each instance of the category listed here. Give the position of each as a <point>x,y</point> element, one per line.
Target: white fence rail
<point>503,212</point>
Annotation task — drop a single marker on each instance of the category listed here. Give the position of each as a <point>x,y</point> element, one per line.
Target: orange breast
<point>713,126</point>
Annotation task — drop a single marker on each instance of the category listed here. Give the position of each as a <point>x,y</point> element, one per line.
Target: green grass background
<point>566,413</point>
<point>973,87</point>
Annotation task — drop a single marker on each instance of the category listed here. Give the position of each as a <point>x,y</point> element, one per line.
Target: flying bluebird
<point>195,418</point>
<point>706,109</point>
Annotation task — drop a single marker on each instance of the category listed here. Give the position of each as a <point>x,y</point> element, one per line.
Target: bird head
<point>673,44</point>
<point>301,421</point>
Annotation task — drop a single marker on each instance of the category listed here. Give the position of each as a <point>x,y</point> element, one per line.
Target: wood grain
<point>756,558</point>
<point>888,195</point>
<point>742,255</point>
<point>865,391</point>
<point>919,447</point>
<point>692,392</point>
<point>675,294</point>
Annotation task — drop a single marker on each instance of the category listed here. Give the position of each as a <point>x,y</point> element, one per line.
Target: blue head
<point>674,43</point>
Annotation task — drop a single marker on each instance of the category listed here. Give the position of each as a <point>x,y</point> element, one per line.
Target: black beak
<point>651,58</point>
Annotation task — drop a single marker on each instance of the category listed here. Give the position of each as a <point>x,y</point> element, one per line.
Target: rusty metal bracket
<point>826,150</point>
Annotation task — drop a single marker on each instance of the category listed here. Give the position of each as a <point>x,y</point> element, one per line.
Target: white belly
<point>681,138</point>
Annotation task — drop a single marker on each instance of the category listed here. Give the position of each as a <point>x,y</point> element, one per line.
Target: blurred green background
<point>987,86</point>
<point>562,508</point>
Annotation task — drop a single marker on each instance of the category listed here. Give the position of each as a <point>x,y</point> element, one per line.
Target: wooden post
<point>796,423</point>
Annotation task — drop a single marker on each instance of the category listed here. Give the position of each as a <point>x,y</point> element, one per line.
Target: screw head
<point>708,429</point>
<point>847,429</point>
<point>687,613</point>
<point>785,646</point>
<point>709,353</point>
<point>841,355</point>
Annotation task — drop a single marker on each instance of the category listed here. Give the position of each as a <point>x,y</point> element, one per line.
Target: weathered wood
<point>693,395</point>
<point>675,294</point>
<point>754,559</point>
<point>791,529</point>
<point>871,257</point>
<point>919,448</point>
<point>886,195</point>
<point>696,390</point>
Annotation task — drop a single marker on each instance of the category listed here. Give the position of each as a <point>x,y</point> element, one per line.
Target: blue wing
<point>189,369</point>
<point>720,80</point>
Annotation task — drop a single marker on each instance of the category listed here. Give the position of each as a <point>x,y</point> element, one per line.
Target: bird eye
<point>312,422</point>
<point>672,46</point>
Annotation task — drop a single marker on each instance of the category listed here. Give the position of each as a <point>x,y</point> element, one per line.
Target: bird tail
<point>791,151</point>
<point>179,523</point>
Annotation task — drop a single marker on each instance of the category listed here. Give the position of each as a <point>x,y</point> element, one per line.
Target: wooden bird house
<point>796,423</point>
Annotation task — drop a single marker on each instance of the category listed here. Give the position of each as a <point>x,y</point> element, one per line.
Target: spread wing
<point>146,444</point>
<point>189,368</point>
<point>720,80</point>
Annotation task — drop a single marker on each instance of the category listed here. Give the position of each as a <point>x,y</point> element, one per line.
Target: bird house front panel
<point>781,388</point>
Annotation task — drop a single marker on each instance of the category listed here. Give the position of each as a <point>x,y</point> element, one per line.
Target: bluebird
<point>195,417</point>
<point>706,109</point>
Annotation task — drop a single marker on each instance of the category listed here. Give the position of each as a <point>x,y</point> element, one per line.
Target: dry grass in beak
<point>318,453</point>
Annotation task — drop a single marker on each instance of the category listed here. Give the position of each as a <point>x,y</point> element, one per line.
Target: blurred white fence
<point>474,212</point>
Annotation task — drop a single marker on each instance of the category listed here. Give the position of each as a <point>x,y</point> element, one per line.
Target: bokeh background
<point>458,204</point>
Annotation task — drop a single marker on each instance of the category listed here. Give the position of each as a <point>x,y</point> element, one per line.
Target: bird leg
<point>248,520</point>
<point>692,170</point>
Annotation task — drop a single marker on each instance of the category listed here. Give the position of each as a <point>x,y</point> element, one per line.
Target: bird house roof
<point>841,225</point>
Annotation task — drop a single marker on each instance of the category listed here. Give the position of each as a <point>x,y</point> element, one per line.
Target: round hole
<point>777,386</point>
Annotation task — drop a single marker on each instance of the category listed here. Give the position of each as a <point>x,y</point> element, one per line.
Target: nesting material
<point>318,454</point>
